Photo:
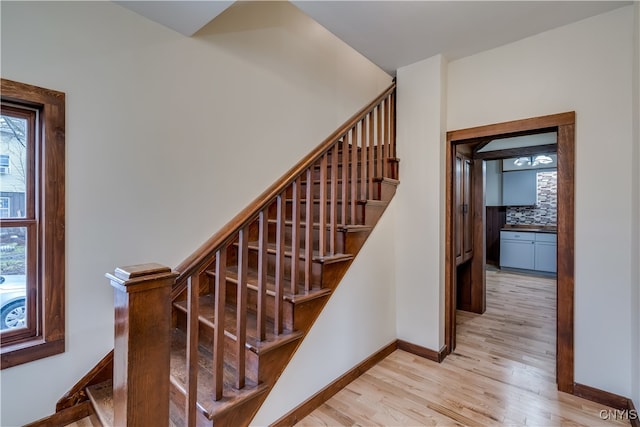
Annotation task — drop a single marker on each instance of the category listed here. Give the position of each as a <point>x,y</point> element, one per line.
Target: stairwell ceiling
<point>393,34</point>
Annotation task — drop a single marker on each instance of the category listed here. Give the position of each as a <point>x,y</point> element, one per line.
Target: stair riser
<point>302,236</point>
<point>179,400</point>
<point>316,268</point>
<point>205,340</point>
<point>316,210</point>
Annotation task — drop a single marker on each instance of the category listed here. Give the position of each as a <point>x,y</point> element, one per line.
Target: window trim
<point>50,338</point>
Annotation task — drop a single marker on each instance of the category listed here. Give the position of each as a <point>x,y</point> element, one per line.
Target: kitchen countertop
<point>531,228</point>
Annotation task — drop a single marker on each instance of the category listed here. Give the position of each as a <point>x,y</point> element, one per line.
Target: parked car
<point>12,302</point>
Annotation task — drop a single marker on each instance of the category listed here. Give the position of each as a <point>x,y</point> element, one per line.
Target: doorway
<point>461,141</point>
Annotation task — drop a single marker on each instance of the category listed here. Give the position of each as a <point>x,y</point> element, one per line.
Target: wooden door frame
<point>564,124</point>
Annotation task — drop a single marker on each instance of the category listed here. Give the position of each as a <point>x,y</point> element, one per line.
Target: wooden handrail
<point>206,252</point>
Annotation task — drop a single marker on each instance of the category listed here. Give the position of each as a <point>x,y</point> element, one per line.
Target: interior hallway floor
<point>501,373</point>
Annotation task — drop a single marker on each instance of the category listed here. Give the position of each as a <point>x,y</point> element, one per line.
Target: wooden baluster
<point>363,160</point>
<point>308,238</point>
<point>392,131</point>
<point>371,143</point>
<point>241,306</point>
<point>193,309</point>
<point>322,209</point>
<point>377,166</point>
<point>345,176</point>
<point>383,128</point>
<point>278,303</point>
<point>333,217</point>
<point>295,233</point>
<point>218,318</point>
<point>354,173</point>
<point>142,299</point>
<point>263,237</point>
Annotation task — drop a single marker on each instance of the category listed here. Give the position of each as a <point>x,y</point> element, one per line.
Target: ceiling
<point>393,34</point>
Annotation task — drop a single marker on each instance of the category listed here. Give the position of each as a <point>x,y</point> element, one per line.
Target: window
<point>32,225</point>
<point>4,164</point>
<point>4,207</point>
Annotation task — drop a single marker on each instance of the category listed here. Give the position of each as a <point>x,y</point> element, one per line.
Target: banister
<point>206,252</point>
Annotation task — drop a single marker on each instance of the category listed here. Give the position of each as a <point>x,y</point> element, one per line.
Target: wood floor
<point>501,373</point>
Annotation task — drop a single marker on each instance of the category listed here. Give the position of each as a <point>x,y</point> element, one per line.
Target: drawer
<point>546,237</point>
<point>517,235</point>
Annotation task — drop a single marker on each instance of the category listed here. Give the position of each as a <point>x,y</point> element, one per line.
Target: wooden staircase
<point>244,301</point>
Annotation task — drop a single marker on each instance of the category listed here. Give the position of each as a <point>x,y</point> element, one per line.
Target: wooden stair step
<point>326,259</point>
<point>341,228</point>
<point>101,397</point>
<point>252,283</point>
<point>271,341</point>
<point>387,180</point>
<point>231,398</point>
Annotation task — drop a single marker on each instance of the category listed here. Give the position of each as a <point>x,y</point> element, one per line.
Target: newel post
<point>142,295</point>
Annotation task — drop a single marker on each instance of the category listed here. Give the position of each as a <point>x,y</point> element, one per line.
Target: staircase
<point>244,301</point>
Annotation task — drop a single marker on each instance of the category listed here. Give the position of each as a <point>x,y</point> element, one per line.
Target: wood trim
<point>450,268</point>
<point>206,252</point>
<point>315,401</point>
<point>50,173</point>
<point>478,282</point>
<point>600,396</point>
<point>515,152</point>
<point>418,350</point>
<point>565,250</point>
<point>101,372</point>
<point>65,416</point>
<point>532,125</point>
<point>635,421</point>
<point>565,124</point>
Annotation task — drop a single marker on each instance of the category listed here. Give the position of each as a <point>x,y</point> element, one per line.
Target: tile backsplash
<point>546,210</point>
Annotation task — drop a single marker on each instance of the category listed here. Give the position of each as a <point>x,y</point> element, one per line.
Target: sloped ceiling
<point>393,34</point>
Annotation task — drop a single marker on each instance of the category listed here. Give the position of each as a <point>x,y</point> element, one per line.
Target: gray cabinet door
<point>545,257</point>
<point>519,188</point>
<point>517,254</point>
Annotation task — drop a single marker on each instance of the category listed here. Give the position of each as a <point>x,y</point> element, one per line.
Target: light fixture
<point>522,161</point>
<point>542,159</point>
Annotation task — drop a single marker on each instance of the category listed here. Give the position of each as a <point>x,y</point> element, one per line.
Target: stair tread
<point>231,397</point>
<point>326,259</point>
<point>271,341</point>
<point>391,181</point>
<point>101,397</point>
<point>252,282</point>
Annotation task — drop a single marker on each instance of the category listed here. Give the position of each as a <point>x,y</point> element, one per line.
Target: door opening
<point>459,144</point>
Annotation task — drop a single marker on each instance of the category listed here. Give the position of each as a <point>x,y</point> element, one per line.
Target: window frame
<point>49,189</point>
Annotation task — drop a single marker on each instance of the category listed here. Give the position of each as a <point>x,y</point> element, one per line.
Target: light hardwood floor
<point>501,373</point>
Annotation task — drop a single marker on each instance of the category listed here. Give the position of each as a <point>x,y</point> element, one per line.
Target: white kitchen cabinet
<point>517,249</point>
<point>517,254</point>
<point>528,250</point>
<point>545,252</point>
<point>519,188</point>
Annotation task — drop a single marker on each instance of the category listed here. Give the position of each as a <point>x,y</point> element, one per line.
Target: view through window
<point>32,223</point>
<point>18,252</point>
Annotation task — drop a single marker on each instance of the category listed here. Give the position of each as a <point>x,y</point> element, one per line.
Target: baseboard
<point>601,396</point>
<point>64,417</point>
<point>622,404</point>
<point>634,415</point>
<point>427,353</point>
<point>315,401</point>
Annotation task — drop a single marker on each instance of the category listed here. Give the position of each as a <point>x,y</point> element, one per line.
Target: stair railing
<point>338,176</point>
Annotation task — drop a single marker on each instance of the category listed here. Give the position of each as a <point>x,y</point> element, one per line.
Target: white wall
<point>358,320</point>
<point>586,67</point>
<point>420,203</point>
<point>168,137</point>
<point>635,185</point>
